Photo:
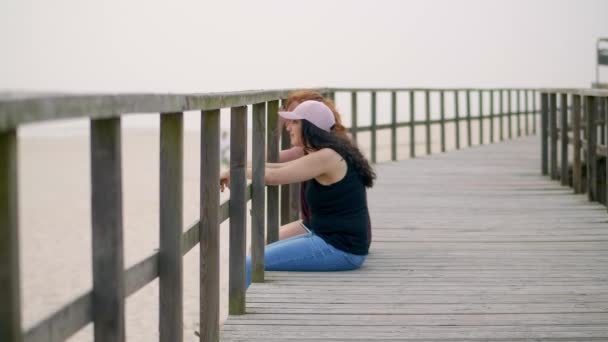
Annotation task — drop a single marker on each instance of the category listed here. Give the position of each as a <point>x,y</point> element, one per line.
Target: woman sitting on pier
<point>337,237</point>
<point>293,100</point>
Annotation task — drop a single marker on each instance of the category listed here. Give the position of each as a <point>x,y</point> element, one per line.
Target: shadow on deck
<point>468,245</point>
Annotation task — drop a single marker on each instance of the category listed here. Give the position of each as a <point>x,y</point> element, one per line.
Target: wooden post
<point>238,209</point>
<point>272,147</point>
<point>606,145</point>
<point>480,93</point>
<point>106,198</point>
<point>544,126</point>
<point>258,195</point>
<point>427,124</point>
<point>510,113</point>
<point>393,126</point>
<point>527,109</point>
<point>285,189</point>
<point>10,296</point>
<point>553,135</point>
<point>412,124</point>
<point>353,106</point>
<point>564,139</point>
<point>457,118</point>
<point>576,144</point>
<point>209,229</point>
<point>442,113</point>
<point>591,129</point>
<point>373,128</point>
<point>535,110</point>
<point>469,140</point>
<point>491,116</point>
<point>501,114</point>
<point>518,115</point>
<point>170,267</point>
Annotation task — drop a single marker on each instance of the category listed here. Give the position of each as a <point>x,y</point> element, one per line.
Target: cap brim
<point>290,115</point>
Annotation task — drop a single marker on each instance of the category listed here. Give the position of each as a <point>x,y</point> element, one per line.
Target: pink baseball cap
<point>314,112</point>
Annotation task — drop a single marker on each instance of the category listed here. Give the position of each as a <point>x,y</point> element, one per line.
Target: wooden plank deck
<point>470,245</point>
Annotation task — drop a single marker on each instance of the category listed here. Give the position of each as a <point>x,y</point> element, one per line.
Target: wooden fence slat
<point>209,228</point>
<point>442,119</point>
<point>427,123</point>
<point>412,124</point>
<point>10,297</point>
<point>519,111</point>
<point>373,138</point>
<point>591,162</point>
<point>272,151</point>
<point>535,110</point>
<point>527,111</point>
<point>605,130</point>
<point>491,116</point>
<point>238,209</point>
<point>509,114</point>
<point>285,189</point>
<point>106,211</point>
<point>258,195</point>
<point>469,140</point>
<point>576,144</point>
<point>393,126</point>
<point>553,136</point>
<point>457,118</point>
<point>564,139</point>
<point>170,266</point>
<point>480,94</point>
<point>353,118</point>
<point>501,114</point>
<point>544,129</point>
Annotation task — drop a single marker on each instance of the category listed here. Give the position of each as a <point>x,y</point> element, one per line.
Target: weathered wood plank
<point>209,227</point>
<point>442,119</point>
<point>564,176</point>
<point>10,296</point>
<point>106,211</point>
<point>412,124</point>
<point>272,145</point>
<point>258,195</point>
<point>238,209</point>
<point>373,136</point>
<point>170,267</point>
<point>427,124</point>
<point>353,117</point>
<point>393,126</point>
<point>544,135</point>
<point>577,181</point>
<point>591,135</point>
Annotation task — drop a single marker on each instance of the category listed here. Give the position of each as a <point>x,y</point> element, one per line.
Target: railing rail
<point>104,304</point>
<point>579,122</point>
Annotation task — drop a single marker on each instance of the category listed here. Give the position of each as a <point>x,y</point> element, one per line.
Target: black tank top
<point>339,214</point>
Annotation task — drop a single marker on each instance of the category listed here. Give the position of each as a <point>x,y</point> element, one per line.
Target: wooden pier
<point>468,245</point>
<point>481,243</point>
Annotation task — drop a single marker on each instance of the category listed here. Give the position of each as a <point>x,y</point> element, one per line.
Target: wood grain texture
<point>10,297</point>
<point>106,212</point>
<point>272,191</point>
<point>479,247</point>
<point>209,235</point>
<point>238,210</point>
<point>170,266</point>
<point>258,195</point>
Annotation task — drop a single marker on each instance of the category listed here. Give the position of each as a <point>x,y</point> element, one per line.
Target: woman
<point>293,100</point>
<point>339,174</point>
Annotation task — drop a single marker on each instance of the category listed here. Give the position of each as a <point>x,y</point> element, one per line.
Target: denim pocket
<point>355,260</point>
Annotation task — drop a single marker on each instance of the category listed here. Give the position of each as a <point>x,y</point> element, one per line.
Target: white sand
<point>55,237</point>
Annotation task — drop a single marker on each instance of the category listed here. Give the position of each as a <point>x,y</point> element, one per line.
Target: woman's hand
<point>225,180</point>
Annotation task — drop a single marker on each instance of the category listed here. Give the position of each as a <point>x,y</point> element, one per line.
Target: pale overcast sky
<point>196,46</point>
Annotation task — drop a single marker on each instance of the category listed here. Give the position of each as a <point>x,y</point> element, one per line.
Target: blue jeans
<point>306,253</point>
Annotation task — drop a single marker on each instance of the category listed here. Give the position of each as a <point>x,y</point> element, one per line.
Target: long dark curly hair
<point>314,138</point>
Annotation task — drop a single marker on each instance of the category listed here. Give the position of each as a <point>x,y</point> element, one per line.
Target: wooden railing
<point>104,304</point>
<point>578,121</point>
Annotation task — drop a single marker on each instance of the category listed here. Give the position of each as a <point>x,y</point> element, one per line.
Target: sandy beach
<point>55,233</point>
